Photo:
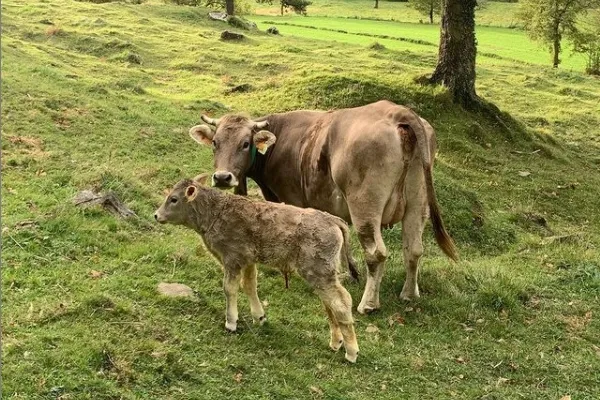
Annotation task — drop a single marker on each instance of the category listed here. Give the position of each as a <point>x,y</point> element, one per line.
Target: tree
<point>587,41</point>
<point>457,52</point>
<point>376,3</point>
<point>298,6</point>
<point>427,7</point>
<point>548,21</point>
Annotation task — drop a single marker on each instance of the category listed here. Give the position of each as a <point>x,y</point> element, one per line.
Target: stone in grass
<point>227,35</point>
<point>175,290</point>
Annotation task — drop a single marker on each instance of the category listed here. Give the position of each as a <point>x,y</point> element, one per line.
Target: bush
<point>298,6</point>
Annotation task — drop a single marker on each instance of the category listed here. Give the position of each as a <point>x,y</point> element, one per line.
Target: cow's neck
<point>258,172</point>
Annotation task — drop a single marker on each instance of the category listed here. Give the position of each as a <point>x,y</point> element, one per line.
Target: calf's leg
<point>337,299</point>
<point>231,284</point>
<point>249,284</point>
<point>337,339</point>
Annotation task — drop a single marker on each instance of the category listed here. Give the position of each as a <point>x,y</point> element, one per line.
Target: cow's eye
<point>214,144</point>
<point>173,200</point>
<point>245,145</point>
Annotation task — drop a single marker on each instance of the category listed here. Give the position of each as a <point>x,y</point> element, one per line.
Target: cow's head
<point>235,142</point>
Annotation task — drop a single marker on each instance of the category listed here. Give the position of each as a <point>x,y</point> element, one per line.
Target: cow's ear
<point>263,140</point>
<point>203,178</point>
<point>191,192</point>
<point>202,134</point>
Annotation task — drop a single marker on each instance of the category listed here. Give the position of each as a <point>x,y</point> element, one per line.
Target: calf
<point>240,233</point>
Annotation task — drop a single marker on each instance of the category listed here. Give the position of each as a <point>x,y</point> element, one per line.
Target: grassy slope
<point>522,305</point>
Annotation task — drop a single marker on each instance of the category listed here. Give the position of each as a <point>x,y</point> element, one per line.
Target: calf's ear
<point>202,134</point>
<point>203,178</point>
<point>191,192</point>
<point>263,140</point>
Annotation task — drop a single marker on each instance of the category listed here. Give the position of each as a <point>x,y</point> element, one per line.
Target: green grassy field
<point>495,43</point>
<point>102,96</point>
<point>493,14</point>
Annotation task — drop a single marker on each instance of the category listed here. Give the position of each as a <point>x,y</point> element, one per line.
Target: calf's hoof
<point>336,345</point>
<point>351,357</point>
<point>231,326</point>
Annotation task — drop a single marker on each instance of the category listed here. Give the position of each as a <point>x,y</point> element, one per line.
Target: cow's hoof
<point>366,309</point>
<point>231,326</point>
<point>409,296</point>
<point>351,358</point>
<point>335,346</point>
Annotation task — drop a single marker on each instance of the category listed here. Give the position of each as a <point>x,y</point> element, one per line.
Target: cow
<point>369,165</point>
<point>241,232</point>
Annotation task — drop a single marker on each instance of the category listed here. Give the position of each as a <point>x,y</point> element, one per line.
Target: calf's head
<point>177,208</point>
<point>235,141</point>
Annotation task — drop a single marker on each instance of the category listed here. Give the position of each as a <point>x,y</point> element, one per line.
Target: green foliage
<point>587,41</point>
<point>186,2</point>
<point>427,7</point>
<point>298,6</point>
<point>549,21</point>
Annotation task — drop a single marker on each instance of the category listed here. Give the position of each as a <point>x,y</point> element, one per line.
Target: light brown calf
<point>240,233</point>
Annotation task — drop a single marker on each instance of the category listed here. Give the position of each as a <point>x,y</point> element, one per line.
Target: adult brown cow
<point>370,165</point>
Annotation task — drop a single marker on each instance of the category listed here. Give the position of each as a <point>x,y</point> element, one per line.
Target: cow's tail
<point>346,253</point>
<point>442,237</point>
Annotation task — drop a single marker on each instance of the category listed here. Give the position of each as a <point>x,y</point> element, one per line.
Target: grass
<point>496,43</point>
<point>493,14</point>
<point>104,99</point>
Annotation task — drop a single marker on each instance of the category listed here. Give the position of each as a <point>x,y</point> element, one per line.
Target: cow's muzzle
<point>159,218</point>
<point>224,179</point>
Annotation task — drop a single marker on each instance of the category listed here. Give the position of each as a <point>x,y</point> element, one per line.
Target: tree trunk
<point>376,3</point>
<point>556,44</point>
<point>456,59</point>
<point>431,13</point>
<point>229,7</point>
<point>281,7</point>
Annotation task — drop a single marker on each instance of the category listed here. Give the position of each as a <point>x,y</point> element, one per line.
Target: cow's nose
<point>222,178</point>
<point>156,217</point>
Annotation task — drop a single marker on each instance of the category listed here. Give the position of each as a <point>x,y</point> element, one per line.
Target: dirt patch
<point>25,145</point>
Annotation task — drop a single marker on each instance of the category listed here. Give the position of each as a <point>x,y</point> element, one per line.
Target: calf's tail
<point>346,253</point>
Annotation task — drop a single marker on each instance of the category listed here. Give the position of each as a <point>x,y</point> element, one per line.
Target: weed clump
<point>376,46</point>
<point>241,23</point>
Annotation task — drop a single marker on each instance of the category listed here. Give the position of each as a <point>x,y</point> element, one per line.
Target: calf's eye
<point>245,145</point>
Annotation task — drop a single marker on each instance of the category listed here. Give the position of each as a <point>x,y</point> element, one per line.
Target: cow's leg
<point>338,300</point>
<point>369,234</point>
<point>249,284</point>
<point>413,224</point>
<point>336,334</point>
<point>231,284</point>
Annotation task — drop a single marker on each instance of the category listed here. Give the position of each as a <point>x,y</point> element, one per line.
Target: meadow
<point>101,96</point>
